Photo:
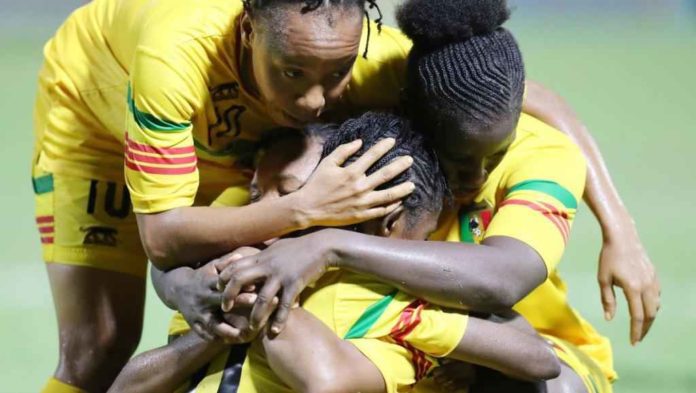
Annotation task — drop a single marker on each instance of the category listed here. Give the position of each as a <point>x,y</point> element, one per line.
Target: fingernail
<point>275,329</point>
<point>607,316</point>
<point>412,186</point>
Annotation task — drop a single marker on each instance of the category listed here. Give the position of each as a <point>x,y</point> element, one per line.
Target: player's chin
<point>285,119</point>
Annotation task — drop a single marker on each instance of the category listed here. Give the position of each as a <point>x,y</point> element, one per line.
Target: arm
<point>334,195</point>
<point>510,346</point>
<point>489,277</point>
<point>492,276</point>
<point>161,170</point>
<point>600,194</point>
<point>623,260</point>
<point>164,369</point>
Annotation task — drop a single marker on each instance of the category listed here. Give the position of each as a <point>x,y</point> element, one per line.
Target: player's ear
<point>390,221</point>
<point>247,28</point>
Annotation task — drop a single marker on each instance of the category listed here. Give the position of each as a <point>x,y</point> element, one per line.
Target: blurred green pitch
<point>634,86</point>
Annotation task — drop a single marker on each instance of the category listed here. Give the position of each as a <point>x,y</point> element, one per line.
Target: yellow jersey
<point>152,88</point>
<point>532,196</point>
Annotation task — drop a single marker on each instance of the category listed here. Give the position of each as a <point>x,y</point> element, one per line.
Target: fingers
<point>388,172</point>
<point>264,304</point>
<point>224,276</point>
<point>606,288</point>
<point>377,212</point>
<point>226,332</point>
<point>635,308</point>
<point>200,331</point>
<point>343,152</point>
<point>246,300</point>
<point>212,298</point>
<point>235,284</point>
<point>372,155</point>
<point>242,252</point>
<point>390,195</point>
<point>287,299</point>
<point>651,304</point>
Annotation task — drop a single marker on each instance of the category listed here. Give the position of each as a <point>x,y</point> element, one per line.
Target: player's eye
<point>293,74</point>
<point>340,74</point>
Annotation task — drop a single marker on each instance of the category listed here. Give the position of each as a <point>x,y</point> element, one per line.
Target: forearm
<point>600,193</point>
<point>164,369</point>
<point>486,278</point>
<point>188,235</point>
<point>511,348</point>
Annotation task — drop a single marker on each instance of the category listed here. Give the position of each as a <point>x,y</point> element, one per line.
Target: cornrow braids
<point>431,188</point>
<point>463,64</point>
<point>255,7</point>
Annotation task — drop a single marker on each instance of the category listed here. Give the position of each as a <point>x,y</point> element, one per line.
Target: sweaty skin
<point>298,72</point>
<point>514,349</point>
<point>623,260</point>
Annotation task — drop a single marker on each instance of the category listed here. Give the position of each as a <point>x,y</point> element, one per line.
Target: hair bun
<point>433,23</point>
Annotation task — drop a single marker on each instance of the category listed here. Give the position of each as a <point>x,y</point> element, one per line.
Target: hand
<point>454,376</point>
<point>336,196</point>
<point>624,263</point>
<point>285,268</point>
<point>198,299</point>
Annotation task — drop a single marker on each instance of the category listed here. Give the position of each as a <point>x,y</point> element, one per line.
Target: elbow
<point>498,298</point>
<point>549,366</point>
<point>154,235</point>
<point>544,366</point>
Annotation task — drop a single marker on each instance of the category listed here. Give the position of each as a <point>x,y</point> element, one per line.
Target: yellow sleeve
<point>160,157</point>
<point>542,190</point>
<point>377,80</point>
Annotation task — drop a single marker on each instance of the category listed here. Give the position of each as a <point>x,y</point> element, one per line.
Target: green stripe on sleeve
<point>150,122</point>
<point>369,317</point>
<point>547,187</point>
<point>43,184</point>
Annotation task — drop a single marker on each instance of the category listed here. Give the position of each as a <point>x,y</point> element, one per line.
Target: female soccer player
<point>172,97</point>
<point>517,184</point>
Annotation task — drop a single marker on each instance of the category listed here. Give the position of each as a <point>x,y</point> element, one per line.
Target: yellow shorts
<point>90,223</point>
<point>86,222</point>
<point>587,369</point>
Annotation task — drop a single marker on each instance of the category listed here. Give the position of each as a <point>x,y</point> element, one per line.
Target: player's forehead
<point>289,159</point>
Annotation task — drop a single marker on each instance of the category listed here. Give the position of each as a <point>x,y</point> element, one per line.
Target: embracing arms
<point>623,260</point>
<point>334,195</point>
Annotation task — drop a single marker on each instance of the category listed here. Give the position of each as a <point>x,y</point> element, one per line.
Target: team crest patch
<point>474,221</point>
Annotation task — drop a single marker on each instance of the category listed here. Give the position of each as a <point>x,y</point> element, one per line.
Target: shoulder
<point>378,77</point>
<point>540,152</point>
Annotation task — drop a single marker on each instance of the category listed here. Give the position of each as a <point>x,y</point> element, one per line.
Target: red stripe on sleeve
<point>44,219</point>
<point>556,220</point>
<point>162,151</point>
<point>159,171</point>
<point>161,160</point>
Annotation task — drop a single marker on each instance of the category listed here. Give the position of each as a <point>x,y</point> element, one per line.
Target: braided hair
<point>270,8</point>
<point>431,187</point>
<point>463,66</point>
